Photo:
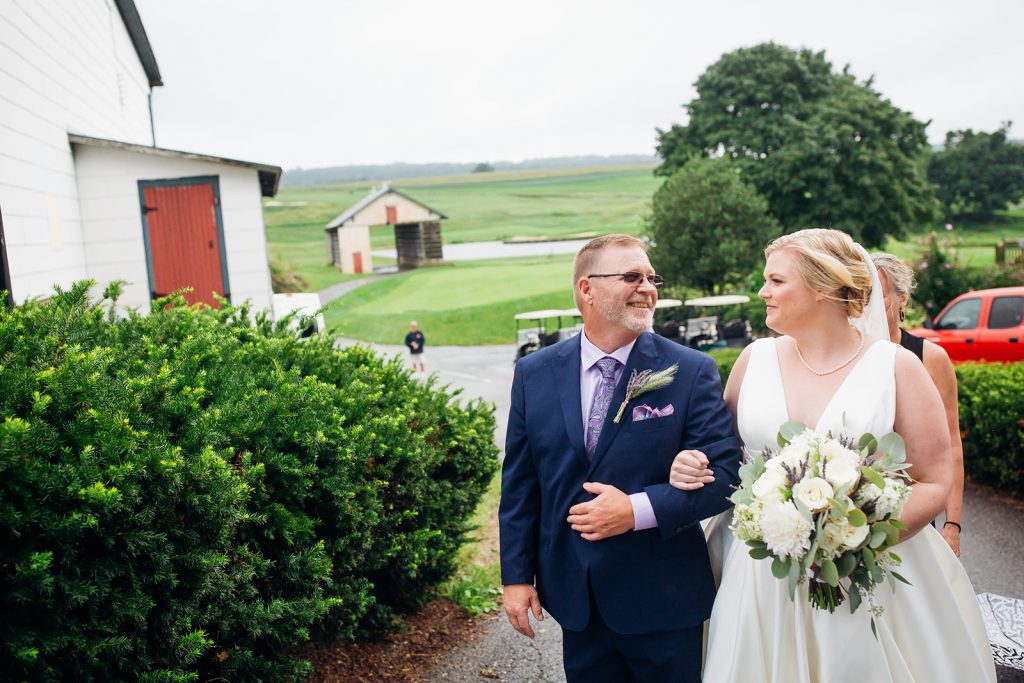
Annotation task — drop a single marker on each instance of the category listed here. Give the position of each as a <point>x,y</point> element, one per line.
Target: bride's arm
<point>690,469</point>
<point>920,420</point>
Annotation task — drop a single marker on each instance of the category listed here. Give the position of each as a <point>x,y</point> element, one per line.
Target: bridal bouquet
<point>825,509</point>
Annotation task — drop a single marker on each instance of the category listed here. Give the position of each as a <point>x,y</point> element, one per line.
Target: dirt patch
<point>404,655</point>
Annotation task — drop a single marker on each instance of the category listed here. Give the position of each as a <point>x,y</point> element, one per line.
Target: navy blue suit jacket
<point>643,581</point>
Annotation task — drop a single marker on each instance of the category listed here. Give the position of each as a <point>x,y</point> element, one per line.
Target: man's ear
<point>583,287</point>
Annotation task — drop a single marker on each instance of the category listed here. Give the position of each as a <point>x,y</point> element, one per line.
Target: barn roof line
<point>374,195</point>
<point>269,175</point>
<point>133,22</point>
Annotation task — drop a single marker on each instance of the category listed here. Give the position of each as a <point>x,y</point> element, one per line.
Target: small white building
<point>417,231</point>
<point>84,193</point>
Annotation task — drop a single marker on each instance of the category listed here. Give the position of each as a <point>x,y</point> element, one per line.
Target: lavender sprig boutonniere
<point>648,380</point>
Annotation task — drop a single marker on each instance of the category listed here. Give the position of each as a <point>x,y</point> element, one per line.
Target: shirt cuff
<point>643,511</point>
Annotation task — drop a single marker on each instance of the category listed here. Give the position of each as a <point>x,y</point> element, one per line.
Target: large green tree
<point>708,227</point>
<point>823,149</point>
<point>978,174</point>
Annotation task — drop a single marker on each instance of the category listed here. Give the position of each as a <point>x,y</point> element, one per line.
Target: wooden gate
<point>184,237</point>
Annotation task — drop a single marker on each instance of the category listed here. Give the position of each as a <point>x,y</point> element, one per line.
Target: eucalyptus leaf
<point>855,598</point>
<point>856,517</point>
<point>794,578</point>
<point>789,431</point>
<point>830,573</point>
<point>847,563</point>
<point>759,553</point>
<point>867,441</point>
<point>871,475</point>
<point>900,577</point>
<point>877,538</point>
<point>780,568</point>
<point>893,446</point>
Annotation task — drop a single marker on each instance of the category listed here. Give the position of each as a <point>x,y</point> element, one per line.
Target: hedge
<point>992,423</point>
<point>991,419</point>
<point>186,494</point>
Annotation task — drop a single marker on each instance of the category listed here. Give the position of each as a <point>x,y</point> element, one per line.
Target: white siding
<point>64,67</point>
<point>112,220</point>
<point>407,211</point>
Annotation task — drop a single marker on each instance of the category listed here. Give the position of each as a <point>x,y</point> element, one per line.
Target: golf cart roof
<point>668,303</point>
<point>721,300</point>
<point>548,313</point>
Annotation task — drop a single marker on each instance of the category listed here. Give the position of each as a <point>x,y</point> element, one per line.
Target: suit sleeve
<point>519,508</point>
<point>709,429</point>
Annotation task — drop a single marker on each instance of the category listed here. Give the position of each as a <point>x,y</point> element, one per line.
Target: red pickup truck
<point>986,325</point>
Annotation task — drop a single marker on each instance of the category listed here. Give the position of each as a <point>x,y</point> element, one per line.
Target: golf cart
<point>717,331</point>
<point>537,329</point>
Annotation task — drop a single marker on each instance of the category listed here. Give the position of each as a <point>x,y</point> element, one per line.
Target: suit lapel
<point>567,379</point>
<point>643,357</point>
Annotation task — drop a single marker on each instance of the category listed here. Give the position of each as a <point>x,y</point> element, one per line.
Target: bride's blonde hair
<point>831,265</point>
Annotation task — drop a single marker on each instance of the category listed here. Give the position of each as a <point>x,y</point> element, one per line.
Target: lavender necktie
<point>603,397</point>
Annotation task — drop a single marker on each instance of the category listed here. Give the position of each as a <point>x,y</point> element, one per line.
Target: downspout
<point>152,125</point>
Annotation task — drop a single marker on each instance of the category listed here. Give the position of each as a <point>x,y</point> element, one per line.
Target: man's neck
<point>609,340</point>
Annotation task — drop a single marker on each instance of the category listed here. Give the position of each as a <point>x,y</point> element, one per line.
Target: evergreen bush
<point>185,494</point>
<point>992,423</point>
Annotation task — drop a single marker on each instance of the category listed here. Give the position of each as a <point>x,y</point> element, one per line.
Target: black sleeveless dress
<point>912,344</point>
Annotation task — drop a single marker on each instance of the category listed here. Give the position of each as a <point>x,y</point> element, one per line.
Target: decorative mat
<point>1004,620</point>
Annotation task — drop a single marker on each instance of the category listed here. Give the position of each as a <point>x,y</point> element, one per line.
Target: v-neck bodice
<point>865,401</point>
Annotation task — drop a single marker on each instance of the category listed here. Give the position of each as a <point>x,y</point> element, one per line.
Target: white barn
<point>417,231</point>
<point>84,193</point>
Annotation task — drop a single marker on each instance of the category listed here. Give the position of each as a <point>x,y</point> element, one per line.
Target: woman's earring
<point>902,315</point>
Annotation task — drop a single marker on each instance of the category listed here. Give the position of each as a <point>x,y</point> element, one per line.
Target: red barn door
<point>184,238</point>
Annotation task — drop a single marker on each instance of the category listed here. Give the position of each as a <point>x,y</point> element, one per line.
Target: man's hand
<point>610,514</point>
<point>518,599</point>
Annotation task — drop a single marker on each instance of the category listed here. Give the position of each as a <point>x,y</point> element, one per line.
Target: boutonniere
<point>648,380</point>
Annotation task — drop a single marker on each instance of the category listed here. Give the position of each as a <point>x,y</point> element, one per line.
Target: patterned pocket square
<point>645,412</point>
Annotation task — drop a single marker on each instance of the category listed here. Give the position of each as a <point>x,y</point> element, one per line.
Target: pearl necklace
<point>837,368</point>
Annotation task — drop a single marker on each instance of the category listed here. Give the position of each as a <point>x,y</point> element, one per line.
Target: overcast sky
<point>334,82</point>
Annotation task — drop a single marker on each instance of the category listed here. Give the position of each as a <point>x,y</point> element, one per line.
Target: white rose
<point>787,533</point>
<point>853,536</point>
<point>768,487</point>
<point>813,492</point>
<point>832,537</point>
<point>794,455</point>
<point>842,469</point>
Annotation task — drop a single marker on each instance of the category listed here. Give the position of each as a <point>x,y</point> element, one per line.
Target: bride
<point>835,370</point>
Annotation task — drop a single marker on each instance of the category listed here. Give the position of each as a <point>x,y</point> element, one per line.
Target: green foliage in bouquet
<point>827,495</point>
<point>185,494</point>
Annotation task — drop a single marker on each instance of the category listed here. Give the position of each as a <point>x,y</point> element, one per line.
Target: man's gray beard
<point>621,315</point>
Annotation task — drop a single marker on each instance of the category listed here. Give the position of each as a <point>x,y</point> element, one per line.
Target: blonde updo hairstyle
<point>831,265</point>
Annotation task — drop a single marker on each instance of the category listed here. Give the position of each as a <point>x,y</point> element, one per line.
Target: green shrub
<point>725,359</point>
<point>992,423</point>
<point>184,494</point>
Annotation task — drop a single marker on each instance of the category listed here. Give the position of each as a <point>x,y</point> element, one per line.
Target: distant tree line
<point>305,177</point>
<point>777,140</point>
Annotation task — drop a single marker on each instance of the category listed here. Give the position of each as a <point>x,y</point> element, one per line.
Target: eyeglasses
<point>633,277</point>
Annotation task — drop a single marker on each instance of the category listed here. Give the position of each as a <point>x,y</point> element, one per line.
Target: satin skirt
<point>931,630</point>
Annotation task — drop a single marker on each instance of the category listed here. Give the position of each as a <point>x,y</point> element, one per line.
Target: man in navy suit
<point>590,527</point>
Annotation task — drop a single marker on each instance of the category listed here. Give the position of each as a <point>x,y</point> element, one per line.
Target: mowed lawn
<point>480,207</point>
<point>465,303</point>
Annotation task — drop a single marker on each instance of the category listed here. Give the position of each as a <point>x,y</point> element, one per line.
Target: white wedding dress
<point>930,631</point>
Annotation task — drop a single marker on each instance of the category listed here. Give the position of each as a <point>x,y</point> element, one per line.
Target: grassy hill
<point>480,206</point>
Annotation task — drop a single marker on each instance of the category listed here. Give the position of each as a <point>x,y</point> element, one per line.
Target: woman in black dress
<point>897,283</point>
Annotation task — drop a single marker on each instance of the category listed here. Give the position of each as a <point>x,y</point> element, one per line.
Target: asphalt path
<point>992,541</point>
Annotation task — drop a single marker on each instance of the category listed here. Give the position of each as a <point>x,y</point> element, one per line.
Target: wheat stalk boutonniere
<point>648,380</point>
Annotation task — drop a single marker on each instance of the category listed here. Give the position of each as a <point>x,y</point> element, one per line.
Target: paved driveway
<point>992,543</point>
